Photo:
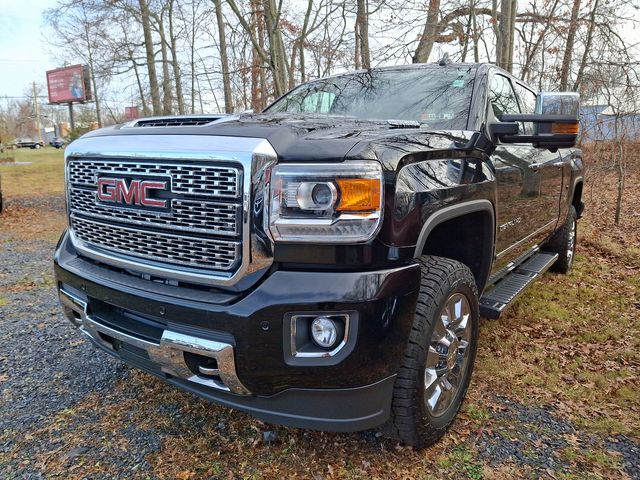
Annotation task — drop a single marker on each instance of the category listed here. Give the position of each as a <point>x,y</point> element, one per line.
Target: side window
<point>527,101</point>
<point>501,95</point>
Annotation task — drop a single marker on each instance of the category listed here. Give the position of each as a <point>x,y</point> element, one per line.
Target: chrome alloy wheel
<point>571,242</point>
<point>448,355</point>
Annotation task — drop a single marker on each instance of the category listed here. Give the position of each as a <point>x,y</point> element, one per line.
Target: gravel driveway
<point>69,411</point>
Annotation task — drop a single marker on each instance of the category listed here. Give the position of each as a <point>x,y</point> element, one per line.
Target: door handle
<point>558,164</point>
<point>535,166</point>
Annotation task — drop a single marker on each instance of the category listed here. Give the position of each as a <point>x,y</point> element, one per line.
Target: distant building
<point>597,124</point>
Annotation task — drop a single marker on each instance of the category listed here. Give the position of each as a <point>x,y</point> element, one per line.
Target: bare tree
<point>363,54</point>
<point>78,28</point>
<point>568,48</point>
<point>428,37</point>
<point>226,81</point>
<point>151,62</point>
<point>175,63</point>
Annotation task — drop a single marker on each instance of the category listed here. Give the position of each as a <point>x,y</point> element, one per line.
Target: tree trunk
<point>476,53</point>
<point>568,48</point>
<point>145,107</point>
<point>512,34</point>
<point>495,24</point>
<point>177,77</point>
<point>151,65</point>
<point>504,44</point>
<point>425,45</point>
<point>362,32</point>
<point>224,60</point>
<point>621,175</point>
<point>134,64</point>
<point>92,73</point>
<point>257,74</point>
<point>277,59</point>
<point>587,47</point>
<point>356,53</point>
<point>273,33</point>
<point>192,45</point>
<point>297,53</point>
<point>167,91</point>
<point>467,35</point>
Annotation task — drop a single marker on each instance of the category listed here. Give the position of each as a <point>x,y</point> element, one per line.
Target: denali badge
<point>137,192</point>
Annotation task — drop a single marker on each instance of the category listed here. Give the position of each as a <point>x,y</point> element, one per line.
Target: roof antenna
<point>445,60</point>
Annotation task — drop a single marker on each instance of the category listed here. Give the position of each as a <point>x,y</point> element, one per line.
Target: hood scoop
<point>175,121</point>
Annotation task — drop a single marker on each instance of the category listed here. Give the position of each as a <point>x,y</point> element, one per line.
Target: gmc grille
<point>201,228</point>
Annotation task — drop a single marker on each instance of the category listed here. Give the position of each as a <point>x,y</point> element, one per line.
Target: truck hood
<point>305,138</point>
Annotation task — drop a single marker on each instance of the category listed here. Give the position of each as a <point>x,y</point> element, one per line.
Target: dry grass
<point>43,176</point>
<point>41,182</point>
<point>571,344</point>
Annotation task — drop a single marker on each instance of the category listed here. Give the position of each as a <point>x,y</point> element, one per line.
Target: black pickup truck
<point>324,264</point>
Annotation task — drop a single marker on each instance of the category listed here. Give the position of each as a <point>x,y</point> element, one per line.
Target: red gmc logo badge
<point>135,192</point>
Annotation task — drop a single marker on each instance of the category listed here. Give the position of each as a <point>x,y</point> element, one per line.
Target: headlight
<point>331,203</point>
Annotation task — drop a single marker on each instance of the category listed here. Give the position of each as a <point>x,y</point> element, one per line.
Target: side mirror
<point>556,122</point>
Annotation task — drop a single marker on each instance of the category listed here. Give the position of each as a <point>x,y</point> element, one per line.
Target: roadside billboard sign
<point>69,84</point>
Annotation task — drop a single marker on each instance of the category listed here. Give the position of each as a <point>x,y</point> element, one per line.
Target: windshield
<point>438,97</point>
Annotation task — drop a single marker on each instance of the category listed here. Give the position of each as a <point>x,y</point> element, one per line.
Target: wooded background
<point>194,56</point>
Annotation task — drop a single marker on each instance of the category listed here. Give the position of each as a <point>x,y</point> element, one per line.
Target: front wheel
<point>438,361</point>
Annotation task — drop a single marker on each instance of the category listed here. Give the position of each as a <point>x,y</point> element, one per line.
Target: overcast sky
<point>23,55</point>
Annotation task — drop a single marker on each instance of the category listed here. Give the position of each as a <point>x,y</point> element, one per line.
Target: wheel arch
<point>576,195</point>
<point>464,232</point>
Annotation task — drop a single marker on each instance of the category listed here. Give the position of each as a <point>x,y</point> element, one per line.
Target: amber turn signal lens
<point>565,128</point>
<point>358,194</point>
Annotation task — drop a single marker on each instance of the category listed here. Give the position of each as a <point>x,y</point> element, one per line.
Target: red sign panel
<point>68,84</point>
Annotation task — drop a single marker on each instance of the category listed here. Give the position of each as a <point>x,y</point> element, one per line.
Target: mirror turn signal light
<point>571,128</point>
<point>358,194</point>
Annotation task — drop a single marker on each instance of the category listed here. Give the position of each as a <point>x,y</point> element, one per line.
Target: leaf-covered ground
<point>555,392</point>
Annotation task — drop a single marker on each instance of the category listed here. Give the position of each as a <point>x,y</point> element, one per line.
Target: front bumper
<point>158,327</point>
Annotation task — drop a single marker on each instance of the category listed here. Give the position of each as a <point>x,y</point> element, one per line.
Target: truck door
<point>529,183</point>
<point>549,166</point>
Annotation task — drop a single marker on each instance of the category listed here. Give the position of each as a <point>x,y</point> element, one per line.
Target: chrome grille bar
<point>180,249</point>
<point>188,179</point>
<point>215,218</point>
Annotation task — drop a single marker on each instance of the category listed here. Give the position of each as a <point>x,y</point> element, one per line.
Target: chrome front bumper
<point>168,354</point>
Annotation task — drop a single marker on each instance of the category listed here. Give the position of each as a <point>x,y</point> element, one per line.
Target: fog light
<point>324,332</point>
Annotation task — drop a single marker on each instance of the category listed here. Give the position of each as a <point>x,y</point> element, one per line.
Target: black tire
<point>563,242</point>
<point>411,420</point>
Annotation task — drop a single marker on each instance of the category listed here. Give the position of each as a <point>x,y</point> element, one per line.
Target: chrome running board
<point>514,283</point>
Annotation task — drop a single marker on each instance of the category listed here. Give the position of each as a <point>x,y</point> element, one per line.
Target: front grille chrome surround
<point>196,241</point>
